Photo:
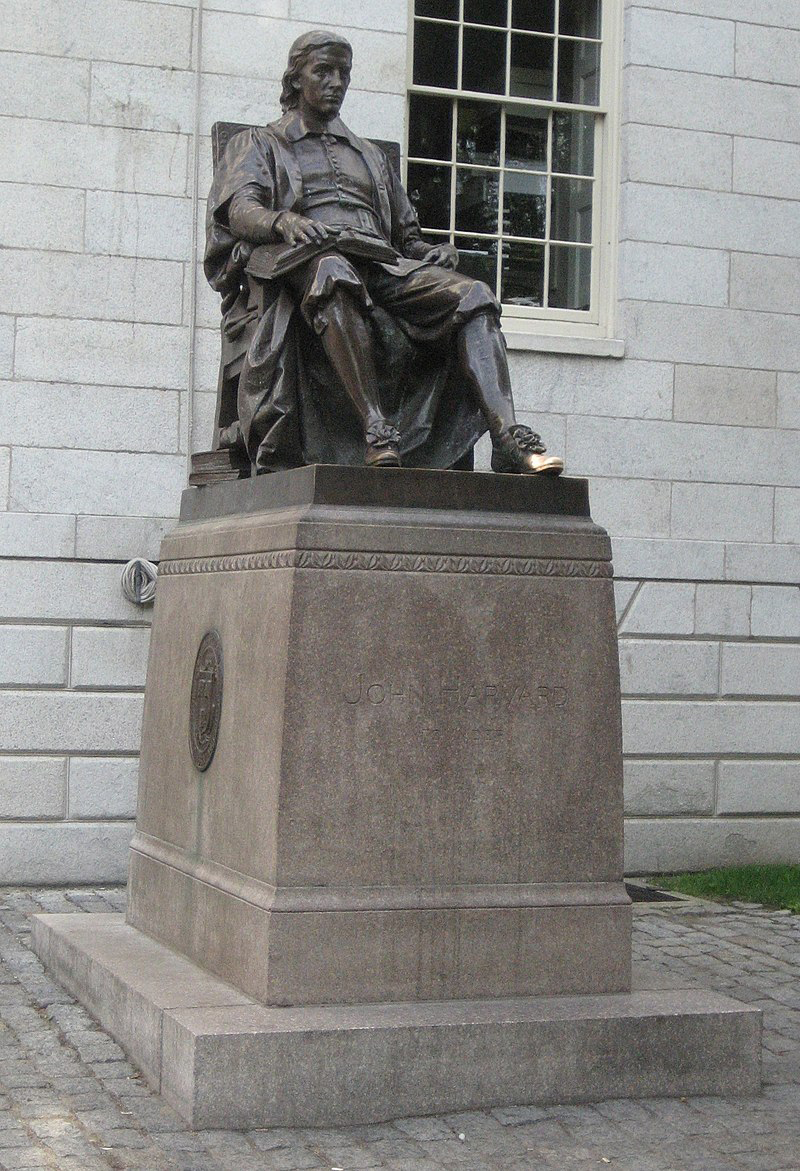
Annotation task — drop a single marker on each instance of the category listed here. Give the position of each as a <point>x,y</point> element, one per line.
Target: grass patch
<point>774,886</point>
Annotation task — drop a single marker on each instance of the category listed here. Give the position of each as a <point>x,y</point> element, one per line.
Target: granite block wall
<point>108,355</point>
<point>95,344</point>
<point>710,626</point>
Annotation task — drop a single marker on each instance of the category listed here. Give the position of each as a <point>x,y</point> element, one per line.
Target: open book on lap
<point>270,261</point>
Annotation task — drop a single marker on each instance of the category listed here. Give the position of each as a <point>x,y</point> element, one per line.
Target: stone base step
<point>222,1060</point>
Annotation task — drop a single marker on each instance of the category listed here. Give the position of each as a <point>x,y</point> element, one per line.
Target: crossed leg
<point>434,304</point>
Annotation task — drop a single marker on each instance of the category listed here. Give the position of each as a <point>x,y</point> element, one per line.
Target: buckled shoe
<point>520,450</point>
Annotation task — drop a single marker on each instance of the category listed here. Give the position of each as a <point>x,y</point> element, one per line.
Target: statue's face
<point>323,80</point>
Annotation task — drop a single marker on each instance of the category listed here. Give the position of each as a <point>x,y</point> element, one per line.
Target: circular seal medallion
<point>205,706</point>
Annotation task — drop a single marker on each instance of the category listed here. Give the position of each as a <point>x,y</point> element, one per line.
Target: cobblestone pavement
<point>69,1100</point>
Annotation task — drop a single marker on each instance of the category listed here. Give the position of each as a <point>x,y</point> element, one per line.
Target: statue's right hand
<point>298,229</point>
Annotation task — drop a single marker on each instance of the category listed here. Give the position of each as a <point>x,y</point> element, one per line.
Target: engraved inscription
<point>205,707</point>
<point>464,694</point>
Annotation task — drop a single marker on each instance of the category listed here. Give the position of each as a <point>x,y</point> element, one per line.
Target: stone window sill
<point>595,347</point>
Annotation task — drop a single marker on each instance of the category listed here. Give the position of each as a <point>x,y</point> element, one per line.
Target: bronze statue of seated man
<point>416,347</point>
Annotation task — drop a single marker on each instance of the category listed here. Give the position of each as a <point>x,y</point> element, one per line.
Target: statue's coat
<point>291,409</point>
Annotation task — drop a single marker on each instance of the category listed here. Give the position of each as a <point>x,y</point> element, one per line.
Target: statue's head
<point>318,70</point>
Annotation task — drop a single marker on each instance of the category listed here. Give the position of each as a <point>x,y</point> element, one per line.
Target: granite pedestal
<point>385,877</point>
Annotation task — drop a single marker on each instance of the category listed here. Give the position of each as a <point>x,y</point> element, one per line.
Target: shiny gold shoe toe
<point>541,465</point>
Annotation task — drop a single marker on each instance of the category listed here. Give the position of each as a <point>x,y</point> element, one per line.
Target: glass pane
<point>522,274</point>
<point>486,12</point>
<point>478,259</point>
<point>531,67</point>
<point>484,68</point>
<point>579,18</point>
<point>429,192</point>
<point>476,200</point>
<point>430,122</point>
<point>526,138</point>
<point>538,16</point>
<point>571,213</point>
<point>436,55</point>
<point>570,277</point>
<point>478,133</point>
<point>524,204</point>
<point>443,9</point>
<point>573,143</point>
<point>578,72</point>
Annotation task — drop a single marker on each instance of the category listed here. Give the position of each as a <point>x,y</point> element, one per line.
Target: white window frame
<point>564,330</point>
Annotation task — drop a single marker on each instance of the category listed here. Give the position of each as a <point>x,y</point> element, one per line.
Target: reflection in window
<point>578,72</point>
<point>430,127</point>
<point>522,274</point>
<point>573,144</point>
<point>579,18</point>
<point>532,67</point>
<point>537,16</point>
<point>486,12</point>
<point>478,258</point>
<point>503,125</point>
<point>570,277</point>
<point>429,191</point>
<point>525,205</point>
<point>526,138</point>
<point>484,61</point>
<point>571,210</point>
<point>476,200</point>
<point>436,55</point>
<point>478,138</point>
<point>440,9</point>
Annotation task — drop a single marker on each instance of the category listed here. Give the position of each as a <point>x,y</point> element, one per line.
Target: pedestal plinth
<point>416,787</point>
<point>380,806</point>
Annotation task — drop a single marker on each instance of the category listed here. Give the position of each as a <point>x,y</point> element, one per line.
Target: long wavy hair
<point>299,53</point>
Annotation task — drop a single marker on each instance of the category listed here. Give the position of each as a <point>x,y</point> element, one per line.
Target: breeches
<point>431,302</point>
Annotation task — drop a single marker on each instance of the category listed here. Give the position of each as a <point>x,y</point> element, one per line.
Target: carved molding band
<point>382,898</point>
<point>389,563</point>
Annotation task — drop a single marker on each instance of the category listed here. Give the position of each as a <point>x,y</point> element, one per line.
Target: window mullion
<point>598,211</point>
<point>507,90</point>
<point>460,74</point>
<point>501,188</point>
<point>453,168</point>
<point>454,129</point>
<point>548,208</point>
<point>556,47</point>
<point>604,86</point>
<point>501,185</point>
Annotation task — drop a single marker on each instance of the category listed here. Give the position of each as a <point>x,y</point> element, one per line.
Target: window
<point>511,148</point>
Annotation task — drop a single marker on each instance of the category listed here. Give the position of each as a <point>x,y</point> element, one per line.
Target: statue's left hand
<point>445,255</point>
